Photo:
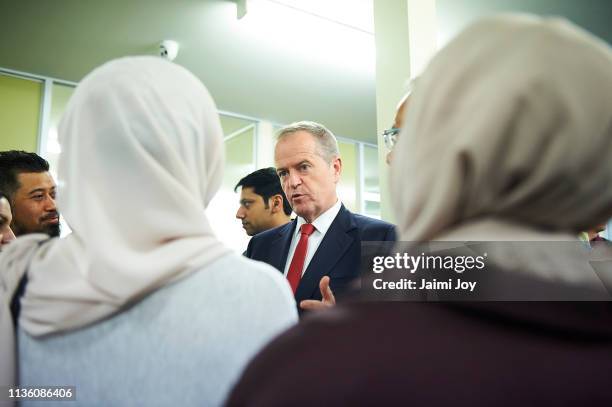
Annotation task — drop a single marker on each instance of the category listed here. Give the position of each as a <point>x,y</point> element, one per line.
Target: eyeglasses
<point>390,137</point>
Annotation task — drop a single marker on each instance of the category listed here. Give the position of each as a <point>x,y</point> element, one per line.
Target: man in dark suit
<point>319,252</point>
<point>263,204</point>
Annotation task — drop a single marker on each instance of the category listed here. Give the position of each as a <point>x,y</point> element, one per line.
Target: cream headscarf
<point>142,156</point>
<point>511,123</point>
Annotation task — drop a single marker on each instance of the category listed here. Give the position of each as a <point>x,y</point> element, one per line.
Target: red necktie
<point>297,263</point>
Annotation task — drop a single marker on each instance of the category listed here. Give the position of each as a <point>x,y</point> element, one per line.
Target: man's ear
<point>276,203</point>
<point>337,166</point>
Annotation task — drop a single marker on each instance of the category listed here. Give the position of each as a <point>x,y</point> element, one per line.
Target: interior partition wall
<point>20,111</point>
<point>31,107</point>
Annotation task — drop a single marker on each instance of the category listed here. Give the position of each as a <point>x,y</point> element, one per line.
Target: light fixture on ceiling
<point>354,14</point>
<point>316,30</point>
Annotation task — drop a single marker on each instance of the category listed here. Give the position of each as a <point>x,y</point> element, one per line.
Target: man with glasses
<point>390,135</point>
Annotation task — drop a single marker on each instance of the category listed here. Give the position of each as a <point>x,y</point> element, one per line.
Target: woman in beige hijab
<point>508,136</point>
<point>508,139</point>
<point>165,313</point>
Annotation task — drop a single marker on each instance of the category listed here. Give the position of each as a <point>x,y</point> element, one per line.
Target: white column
<point>265,145</point>
<point>423,27</point>
<point>45,118</point>
<point>405,33</point>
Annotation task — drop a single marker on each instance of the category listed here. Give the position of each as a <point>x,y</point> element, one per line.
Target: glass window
<point>371,193</point>
<point>239,137</point>
<point>20,123</point>
<point>349,180</point>
<point>60,94</point>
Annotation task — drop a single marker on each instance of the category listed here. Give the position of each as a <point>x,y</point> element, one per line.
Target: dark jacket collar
<point>335,243</point>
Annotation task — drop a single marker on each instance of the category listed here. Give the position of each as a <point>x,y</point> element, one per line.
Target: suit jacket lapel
<point>335,242</point>
<point>279,248</point>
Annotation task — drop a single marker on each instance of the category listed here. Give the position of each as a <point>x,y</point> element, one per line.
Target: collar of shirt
<point>323,222</point>
<point>322,225</point>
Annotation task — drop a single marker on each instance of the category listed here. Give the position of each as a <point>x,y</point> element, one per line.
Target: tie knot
<point>307,229</point>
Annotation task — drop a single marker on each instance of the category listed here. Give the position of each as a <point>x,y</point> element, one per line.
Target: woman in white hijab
<point>167,313</point>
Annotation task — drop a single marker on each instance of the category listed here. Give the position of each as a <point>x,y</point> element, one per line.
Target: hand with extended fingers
<point>328,297</point>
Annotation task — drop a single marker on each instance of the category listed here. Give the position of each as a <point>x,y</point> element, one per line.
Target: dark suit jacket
<point>338,255</point>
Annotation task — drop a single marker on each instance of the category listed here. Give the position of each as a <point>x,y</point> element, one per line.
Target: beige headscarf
<point>142,156</point>
<point>510,124</point>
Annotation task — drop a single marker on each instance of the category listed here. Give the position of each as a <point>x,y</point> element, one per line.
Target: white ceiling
<point>287,60</point>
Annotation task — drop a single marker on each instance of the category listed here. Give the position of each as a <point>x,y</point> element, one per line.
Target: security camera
<point>168,49</point>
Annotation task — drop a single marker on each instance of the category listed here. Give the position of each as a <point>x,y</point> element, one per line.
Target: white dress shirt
<point>321,224</point>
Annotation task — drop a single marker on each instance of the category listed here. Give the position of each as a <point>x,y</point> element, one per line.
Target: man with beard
<point>25,179</point>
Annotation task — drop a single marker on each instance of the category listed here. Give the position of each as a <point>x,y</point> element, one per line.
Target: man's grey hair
<point>327,145</point>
